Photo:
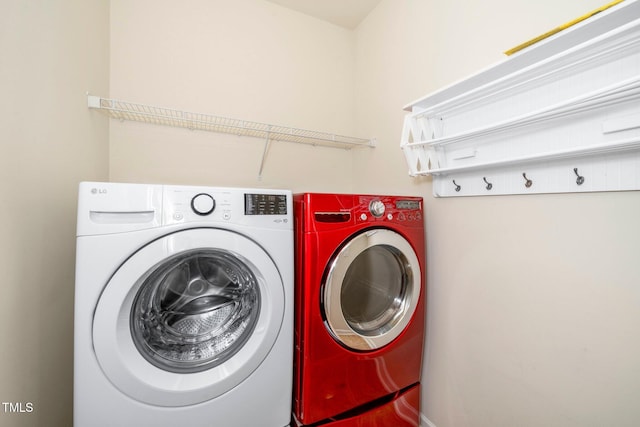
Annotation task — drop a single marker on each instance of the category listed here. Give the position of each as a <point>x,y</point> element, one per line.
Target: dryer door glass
<point>372,289</point>
<point>195,310</point>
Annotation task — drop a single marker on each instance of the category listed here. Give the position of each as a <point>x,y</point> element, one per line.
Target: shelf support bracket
<point>267,141</point>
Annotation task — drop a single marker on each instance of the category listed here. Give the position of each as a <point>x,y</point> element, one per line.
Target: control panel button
<point>203,204</point>
<point>376,207</point>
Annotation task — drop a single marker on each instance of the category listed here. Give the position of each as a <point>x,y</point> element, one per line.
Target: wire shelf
<point>123,110</point>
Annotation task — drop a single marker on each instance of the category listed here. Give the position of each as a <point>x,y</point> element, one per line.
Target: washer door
<point>371,290</point>
<point>188,317</point>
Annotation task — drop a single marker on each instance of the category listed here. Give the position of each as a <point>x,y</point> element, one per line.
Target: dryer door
<point>188,317</point>
<point>372,289</point>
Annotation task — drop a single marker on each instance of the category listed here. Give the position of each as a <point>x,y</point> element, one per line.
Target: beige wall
<point>532,300</point>
<point>245,59</point>
<point>53,52</point>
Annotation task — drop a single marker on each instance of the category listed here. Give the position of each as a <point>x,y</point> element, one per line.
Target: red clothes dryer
<point>360,310</point>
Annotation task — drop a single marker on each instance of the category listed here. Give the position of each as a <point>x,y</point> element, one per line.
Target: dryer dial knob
<point>203,204</point>
<point>376,207</point>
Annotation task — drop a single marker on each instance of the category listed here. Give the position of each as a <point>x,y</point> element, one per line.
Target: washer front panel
<point>188,317</point>
<point>371,290</point>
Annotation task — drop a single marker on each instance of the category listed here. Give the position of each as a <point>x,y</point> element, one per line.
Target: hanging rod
<point>123,110</point>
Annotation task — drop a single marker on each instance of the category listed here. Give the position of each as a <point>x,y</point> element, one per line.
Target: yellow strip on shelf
<point>560,28</point>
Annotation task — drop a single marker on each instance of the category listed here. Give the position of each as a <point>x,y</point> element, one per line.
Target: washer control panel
<point>107,207</point>
<point>182,204</point>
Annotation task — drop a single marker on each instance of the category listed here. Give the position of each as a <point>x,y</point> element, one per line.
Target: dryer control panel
<point>388,208</point>
<point>331,211</point>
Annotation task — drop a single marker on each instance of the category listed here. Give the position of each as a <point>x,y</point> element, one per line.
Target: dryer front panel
<point>371,289</point>
<point>188,317</point>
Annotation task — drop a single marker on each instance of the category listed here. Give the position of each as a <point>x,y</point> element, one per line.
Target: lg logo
<point>98,191</point>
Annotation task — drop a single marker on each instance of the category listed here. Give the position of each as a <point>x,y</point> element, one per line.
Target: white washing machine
<point>183,306</point>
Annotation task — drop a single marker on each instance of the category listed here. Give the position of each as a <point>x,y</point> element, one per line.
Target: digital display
<point>407,204</point>
<point>265,204</point>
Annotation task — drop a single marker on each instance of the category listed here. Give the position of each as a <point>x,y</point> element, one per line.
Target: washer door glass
<point>372,289</point>
<point>195,310</point>
<point>188,317</point>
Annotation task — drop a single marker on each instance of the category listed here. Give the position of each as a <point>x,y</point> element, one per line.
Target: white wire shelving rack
<point>124,110</point>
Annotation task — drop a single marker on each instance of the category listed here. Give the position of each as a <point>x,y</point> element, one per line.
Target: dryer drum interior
<point>195,310</point>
